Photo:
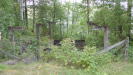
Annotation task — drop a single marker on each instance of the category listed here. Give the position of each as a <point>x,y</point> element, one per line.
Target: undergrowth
<point>68,55</point>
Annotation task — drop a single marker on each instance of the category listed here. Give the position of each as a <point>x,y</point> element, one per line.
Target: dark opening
<point>48,50</point>
<point>80,44</point>
<point>57,42</point>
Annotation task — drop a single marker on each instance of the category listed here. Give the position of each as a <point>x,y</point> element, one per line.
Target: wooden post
<point>50,30</point>
<point>126,49</point>
<point>0,36</point>
<point>37,54</point>
<point>11,36</point>
<point>11,30</point>
<point>38,32</point>
<point>106,37</point>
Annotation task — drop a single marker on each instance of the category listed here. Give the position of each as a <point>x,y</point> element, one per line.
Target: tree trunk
<point>106,37</point>
<point>68,11</point>
<point>130,16</point>
<point>88,6</point>
<point>21,9</point>
<point>54,17</point>
<point>73,13</point>
<point>17,12</point>
<point>33,16</point>
<point>26,14</point>
<point>60,28</point>
<point>37,54</point>
<point>50,30</point>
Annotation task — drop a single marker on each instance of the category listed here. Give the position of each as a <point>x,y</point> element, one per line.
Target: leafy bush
<point>69,55</point>
<point>104,58</point>
<point>130,53</point>
<point>13,49</point>
<point>6,45</point>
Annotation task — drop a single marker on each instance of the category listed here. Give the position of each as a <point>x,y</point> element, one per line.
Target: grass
<point>2,67</point>
<point>119,68</point>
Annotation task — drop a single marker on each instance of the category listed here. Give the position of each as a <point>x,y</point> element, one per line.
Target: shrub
<point>6,45</point>
<point>69,55</point>
<point>130,53</point>
<point>104,58</point>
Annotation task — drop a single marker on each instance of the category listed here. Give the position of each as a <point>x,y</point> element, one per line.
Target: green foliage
<point>112,17</point>
<point>77,32</point>
<point>105,58</point>
<point>130,53</point>
<point>103,17</point>
<point>117,68</point>
<point>67,54</point>
<point>6,16</point>
<point>6,45</point>
<point>2,67</point>
<point>51,12</point>
<point>92,37</point>
<point>27,33</point>
<point>9,15</point>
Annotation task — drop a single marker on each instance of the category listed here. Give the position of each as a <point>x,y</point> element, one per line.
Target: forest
<point>66,37</point>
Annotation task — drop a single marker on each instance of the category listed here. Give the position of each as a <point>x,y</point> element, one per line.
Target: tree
<point>51,13</point>
<point>129,11</point>
<point>68,7</point>
<point>111,18</point>
<point>26,13</point>
<point>6,16</point>
<point>34,14</point>
<point>103,18</point>
<point>88,12</point>
<point>17,13</point>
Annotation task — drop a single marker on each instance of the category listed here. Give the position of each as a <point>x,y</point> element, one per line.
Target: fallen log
<point>111,47</point>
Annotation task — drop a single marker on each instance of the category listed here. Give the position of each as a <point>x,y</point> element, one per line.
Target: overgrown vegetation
<point>68,32</point>
<point>119,68</point>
